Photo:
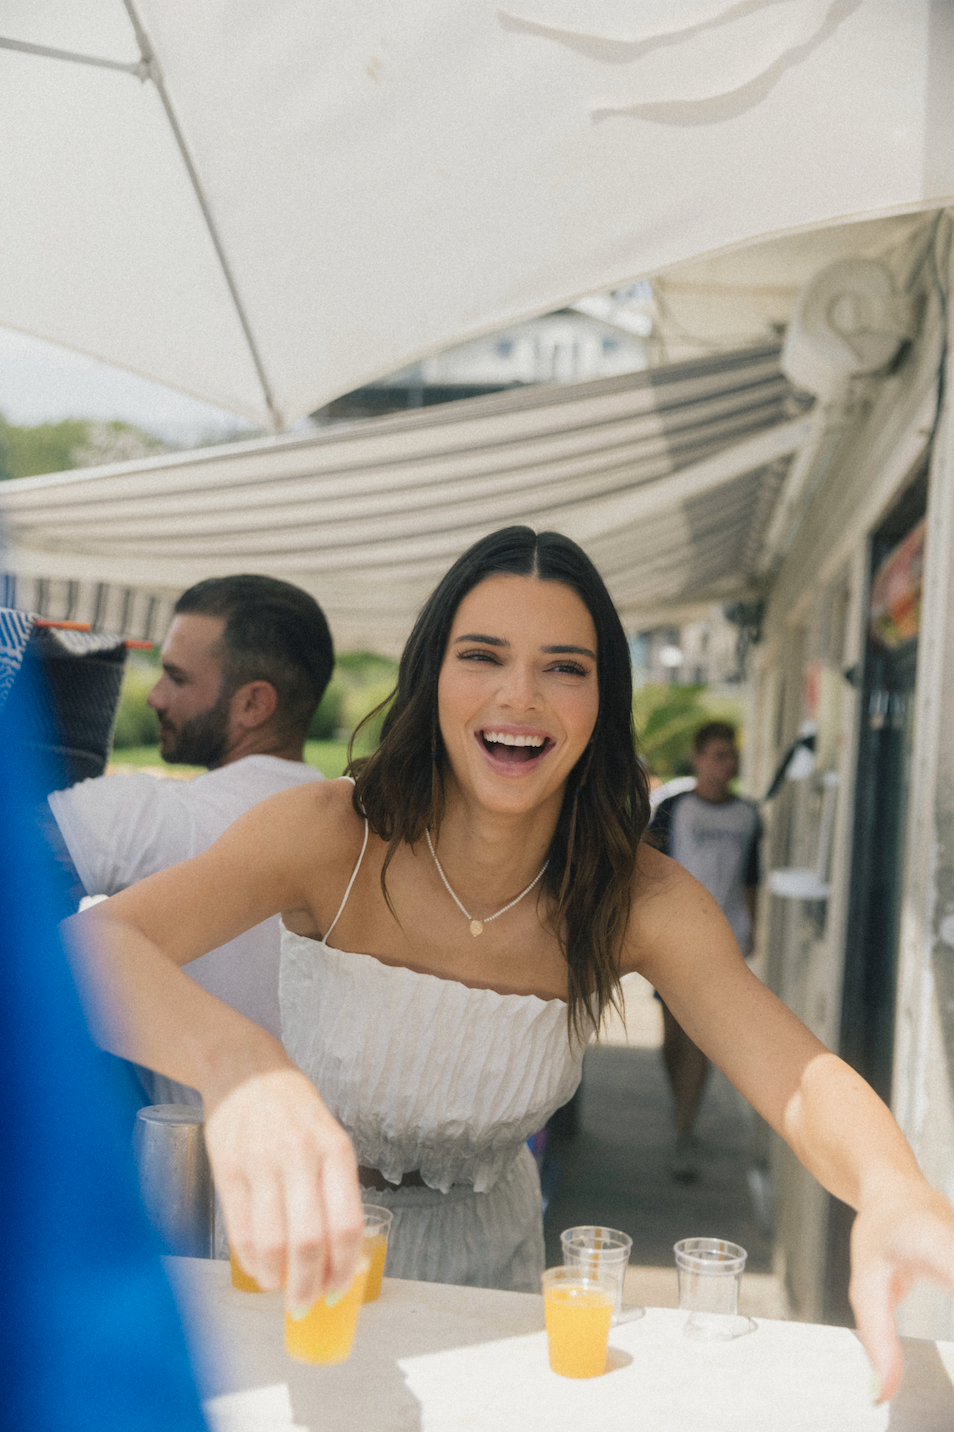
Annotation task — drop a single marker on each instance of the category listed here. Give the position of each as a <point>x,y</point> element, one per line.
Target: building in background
<point>703,652</point>
<point>597,338</point>
<point>856,668</point>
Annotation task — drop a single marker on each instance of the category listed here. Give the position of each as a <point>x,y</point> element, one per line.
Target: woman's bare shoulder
<point>320,799</point>
<point>315,823</point>
<point>657,876</point>
<point>320,811</point>
<point>669,907</point>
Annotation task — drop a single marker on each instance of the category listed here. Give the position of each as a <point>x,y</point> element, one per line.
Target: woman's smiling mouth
<point>514,749</point>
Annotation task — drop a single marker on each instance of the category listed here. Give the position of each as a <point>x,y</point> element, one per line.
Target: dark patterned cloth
<point>60,690</point>
<point>15,629</point>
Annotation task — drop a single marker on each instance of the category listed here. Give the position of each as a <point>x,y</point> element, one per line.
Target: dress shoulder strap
<point>354,876</point>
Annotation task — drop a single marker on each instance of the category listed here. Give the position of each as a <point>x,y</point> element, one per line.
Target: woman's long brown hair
<point>592,857</point>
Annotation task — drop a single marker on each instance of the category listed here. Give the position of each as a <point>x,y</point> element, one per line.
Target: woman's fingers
<point>307,1275</point>
<point>325,1222</point>
<point>894,1245</point>
<point>287,1178</point>
<point>873,1304</point>
<point>344,1212</point>
<point>268,1232</point>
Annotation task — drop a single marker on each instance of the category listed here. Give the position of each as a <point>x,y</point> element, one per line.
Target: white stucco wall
<point>885,428</point>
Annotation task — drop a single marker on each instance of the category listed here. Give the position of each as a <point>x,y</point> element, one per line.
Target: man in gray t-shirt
<point>715,836</point>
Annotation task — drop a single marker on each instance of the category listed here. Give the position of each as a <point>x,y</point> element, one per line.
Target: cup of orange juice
<point>326,1332</point>
<point>578,1307</point>
<point>240,1279</point>
<point>377,1227</point>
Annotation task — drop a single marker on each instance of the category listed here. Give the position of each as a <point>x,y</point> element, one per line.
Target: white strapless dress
<point>427,1074</point>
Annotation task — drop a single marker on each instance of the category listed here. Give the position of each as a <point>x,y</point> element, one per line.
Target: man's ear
<point>254,704</point>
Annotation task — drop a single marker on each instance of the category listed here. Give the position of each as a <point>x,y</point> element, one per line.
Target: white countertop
<point>438,1358</point>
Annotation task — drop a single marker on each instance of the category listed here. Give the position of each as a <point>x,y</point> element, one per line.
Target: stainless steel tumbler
<point>175,1177</point>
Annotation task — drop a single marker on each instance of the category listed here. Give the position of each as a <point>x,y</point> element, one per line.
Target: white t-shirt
<point>119,829</point>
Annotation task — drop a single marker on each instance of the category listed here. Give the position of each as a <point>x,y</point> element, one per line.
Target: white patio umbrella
<point>268,205</point>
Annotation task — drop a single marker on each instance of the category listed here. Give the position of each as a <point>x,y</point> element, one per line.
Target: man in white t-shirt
<point>715,836</point>
<point>244,666</point>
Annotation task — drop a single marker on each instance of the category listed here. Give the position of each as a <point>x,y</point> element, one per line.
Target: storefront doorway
<point>885,747</point>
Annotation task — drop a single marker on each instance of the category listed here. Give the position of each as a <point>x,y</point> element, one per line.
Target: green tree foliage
<point>329,717</point>
<point>371,696</point>
<point>137,723</point>
<point>74,442</point>
<point>668,717</point>
<point>361,681</point>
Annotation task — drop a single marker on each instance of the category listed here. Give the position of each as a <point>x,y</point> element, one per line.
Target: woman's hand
<point>902,1234</point>
<point>286,1174</point>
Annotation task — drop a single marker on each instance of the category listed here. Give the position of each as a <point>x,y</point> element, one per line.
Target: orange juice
<point>326,1332</point>
<point>578,1323</point>
<point>376,1247</point>
<point>240,1279</point>
<point>377,1226</point>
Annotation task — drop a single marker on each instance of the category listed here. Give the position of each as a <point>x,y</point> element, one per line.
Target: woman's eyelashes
<point>560,668</point>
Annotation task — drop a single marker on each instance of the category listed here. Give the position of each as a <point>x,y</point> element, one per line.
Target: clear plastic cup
<point>326,1333</point>
<point>377,1229</point>
<point>710,1271</point>
<point>596,1250</point>
<point>578,1309</point>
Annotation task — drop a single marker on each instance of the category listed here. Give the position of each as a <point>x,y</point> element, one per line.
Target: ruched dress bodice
<point>424,1073</point>
<point>428,1074</point>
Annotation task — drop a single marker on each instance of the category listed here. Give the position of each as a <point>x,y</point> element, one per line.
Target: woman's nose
<point>519,688</point>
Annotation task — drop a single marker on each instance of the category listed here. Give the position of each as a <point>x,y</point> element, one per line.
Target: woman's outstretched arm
<point>833,1121</point>
<point>284,1168</point>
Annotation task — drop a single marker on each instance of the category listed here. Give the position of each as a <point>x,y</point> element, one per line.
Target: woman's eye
<point>476,656</point>
<point>570,668</point>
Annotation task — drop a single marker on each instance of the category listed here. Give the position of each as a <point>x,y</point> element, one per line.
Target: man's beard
<point>203,740</point>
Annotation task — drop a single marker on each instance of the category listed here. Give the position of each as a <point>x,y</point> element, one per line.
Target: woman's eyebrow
<point>565,650</point>
<point>478,636</point>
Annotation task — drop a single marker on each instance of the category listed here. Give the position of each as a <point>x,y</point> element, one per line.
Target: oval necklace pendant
<point>476,927</point>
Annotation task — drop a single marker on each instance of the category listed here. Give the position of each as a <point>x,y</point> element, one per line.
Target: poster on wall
<point>894,611</point>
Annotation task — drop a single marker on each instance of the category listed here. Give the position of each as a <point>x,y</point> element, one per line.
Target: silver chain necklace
<point>477,926</point>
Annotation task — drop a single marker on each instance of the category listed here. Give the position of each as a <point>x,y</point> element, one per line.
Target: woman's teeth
<point>513,749</point>
<point>499,738</point>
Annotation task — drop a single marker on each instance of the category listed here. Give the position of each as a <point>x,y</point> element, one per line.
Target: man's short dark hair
<point>713,731</point>
<point>274,632</point>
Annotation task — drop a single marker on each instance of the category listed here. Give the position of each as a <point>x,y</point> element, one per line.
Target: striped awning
<point>668,478</point>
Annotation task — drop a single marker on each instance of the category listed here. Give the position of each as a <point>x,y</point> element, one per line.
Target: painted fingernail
<point>299,1311</point>
<point>332,1299</point>
<point>875,1388</point>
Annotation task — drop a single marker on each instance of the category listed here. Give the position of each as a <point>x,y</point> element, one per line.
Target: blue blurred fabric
<point>91,1338</point>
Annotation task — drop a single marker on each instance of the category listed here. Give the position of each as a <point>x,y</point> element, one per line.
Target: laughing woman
<point>456,921</point>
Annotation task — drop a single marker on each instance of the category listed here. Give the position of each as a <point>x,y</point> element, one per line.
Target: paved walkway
<point>615,1168</point>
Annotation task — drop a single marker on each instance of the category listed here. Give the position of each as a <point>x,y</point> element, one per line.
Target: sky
<point>41,382</point>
